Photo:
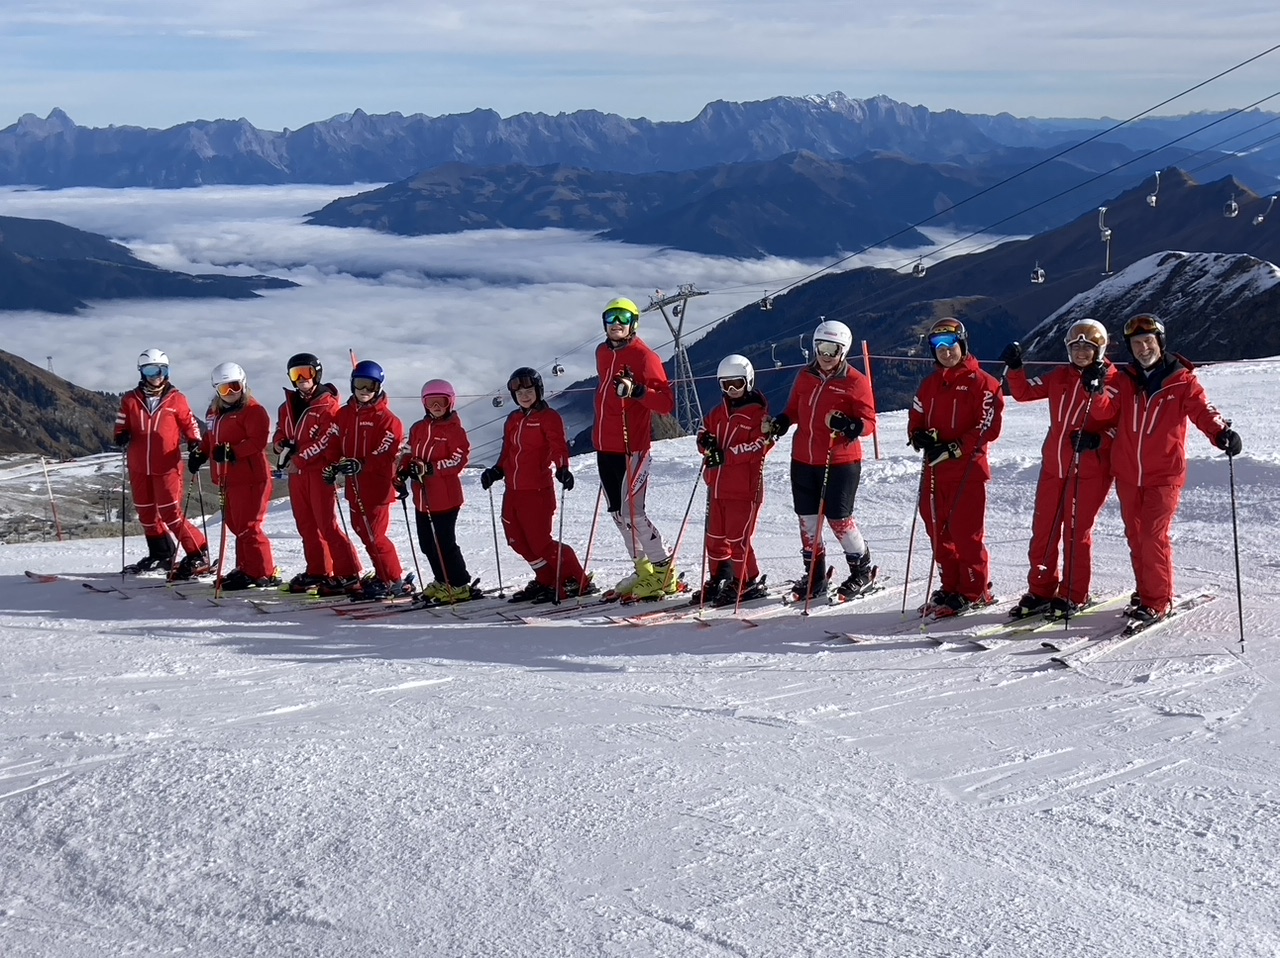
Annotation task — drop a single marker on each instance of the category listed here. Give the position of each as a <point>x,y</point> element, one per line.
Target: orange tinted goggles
<point>226,390</point>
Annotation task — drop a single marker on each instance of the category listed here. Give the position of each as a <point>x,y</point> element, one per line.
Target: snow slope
<point>182,778</point>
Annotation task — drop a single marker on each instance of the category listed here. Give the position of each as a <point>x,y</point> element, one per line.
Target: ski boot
<point>1060,608</point>
<point>529,593</point>
<point>804,589</point>
<point>193,564</point>
<point>862,578</point>
<point>160,553</point>
<point>1031,604</point>
<point>659,582</point>
<point>573,588</point>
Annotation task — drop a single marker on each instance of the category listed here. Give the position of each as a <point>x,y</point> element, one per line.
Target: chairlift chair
<point>556,368</point>
<point>1037,274</point>
<point>498,402</point>
<point>773,355</point>
<point>1231,208</point>
<point>767,302</point>
<point>1261,217</point>
<point>1151,197</point>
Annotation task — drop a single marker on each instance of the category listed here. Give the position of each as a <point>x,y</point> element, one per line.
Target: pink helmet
<point>439,387</point>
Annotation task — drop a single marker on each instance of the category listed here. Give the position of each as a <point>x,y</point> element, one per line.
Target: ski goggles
<point>298,373</point>
<point>619,317</point>
<point>736,383</point>
<point>521,382</point>
<point>154,371</point>
<point>1143,324</point>
<point>362,385</point>
<point>944,340</point>
<point>226,390</point>
<point>827,349</point>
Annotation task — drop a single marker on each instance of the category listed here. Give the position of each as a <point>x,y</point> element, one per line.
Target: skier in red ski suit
<point>955,414</point>
<point>631,387</point>
<point>153,421</point>
<point>733,448</point>
<point>534,449</point>
<point>1157,394</point>
<point>437,452</point>
<point>301,443</point>
<point>1075,475</point>
<point>832,408</point>
<point>366,451</point>
<point>237,431</point>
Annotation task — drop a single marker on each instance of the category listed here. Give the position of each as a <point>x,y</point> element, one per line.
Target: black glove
<point>349,467</point>
<point>195,459</point>
<point>490,476</point>
<point>713,458</point>
<point>329,473</point>
<point>706,441</point>
<point>224,454</point>
<point>1094,378</point>
<point>123,438</point>
<point>401,488</point>
<point>1229,441</point>
<point>1082,441</point>
<point>1012,356</point>
<point>776,427</point>
<point>850,429</point>
<point>420,469</point>
<point>922,439</point>
<point>288,446</point>
<point>939,452</point>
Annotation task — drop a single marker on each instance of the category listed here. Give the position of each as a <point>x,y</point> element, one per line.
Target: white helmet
<point>734,366</point>
<point>1090,331</point>
<point>830,331</point>
<point>153,357</point>
<point>224,373</point>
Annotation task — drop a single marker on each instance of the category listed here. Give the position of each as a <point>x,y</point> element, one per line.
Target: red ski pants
<point>526,522</point>
<point>960,506</point>
<point>244,512</point>
<point>1148,513</point>
<point>371,523</point>
<point>325,546</point>
<point>1066,510</point>
<point>158,499</point>
<point>731,525</point>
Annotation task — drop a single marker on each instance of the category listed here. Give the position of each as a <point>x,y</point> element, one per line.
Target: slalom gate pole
<point>53,506</point>
<point>493,520</point>
<point>816,547</point>
<point>1235,543</point>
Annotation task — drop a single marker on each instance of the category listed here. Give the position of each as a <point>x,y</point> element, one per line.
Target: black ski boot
<point>160,553</point>
<point>193,564</point>
<point>710,590</point>
<point>530,592</point>
<point>755,589</point>
<point>804,589</point>
<point>862,577</point>
<point>1030,605</point>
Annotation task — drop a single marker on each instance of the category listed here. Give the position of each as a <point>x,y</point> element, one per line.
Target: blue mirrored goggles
<point>619,317</point>
<point>154,371</point>
<point>949,340</point>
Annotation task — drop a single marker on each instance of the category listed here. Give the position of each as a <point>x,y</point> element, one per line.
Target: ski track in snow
<point>176,776</point>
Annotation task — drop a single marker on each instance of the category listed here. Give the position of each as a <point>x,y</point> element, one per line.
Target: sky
<point>469,308</point>
<point>289,62</point>
<point>177,777</point>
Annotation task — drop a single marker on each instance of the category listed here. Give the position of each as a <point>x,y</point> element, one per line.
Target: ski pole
<point>591,538</point>
<point>911,539</point>
<point>749,532</point>
<point>816,545</point>
<point>559,548</point>
<point>706,531</point>
<point>689,508</point>
<point>493,519</point>
<point>933,544</point>
<point>222,539</point>
<point>435,538</point>
<point>123,477</point>
<point>1069,545</point>
<point>413,549</point>
<point>1235,542</point>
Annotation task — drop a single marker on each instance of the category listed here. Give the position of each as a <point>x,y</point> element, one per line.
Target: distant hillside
<point>44,414</point>
<point>362,148</point>
<point>49,266</point>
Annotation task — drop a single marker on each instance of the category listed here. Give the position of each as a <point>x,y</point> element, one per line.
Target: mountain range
<point>358,147</point>
<point>52,267</point>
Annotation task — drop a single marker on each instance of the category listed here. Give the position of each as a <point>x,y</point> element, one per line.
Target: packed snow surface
<point>180,777</point>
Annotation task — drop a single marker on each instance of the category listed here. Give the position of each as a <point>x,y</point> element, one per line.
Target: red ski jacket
<point>247,429</point>
<point>639,361</point>
<point>1150,412</point>
<point>814,397</point>
<point>156,434</point>
<point>1068,403</point>
<point>443,443</point>
<point>308,424</point>
<point>533,446</point>
<point>736,428</point>
<point>964,405</point>
<point>372,433</point>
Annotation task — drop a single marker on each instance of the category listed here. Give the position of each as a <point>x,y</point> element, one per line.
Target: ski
<point>1112,640</point>
<point>104,590</point>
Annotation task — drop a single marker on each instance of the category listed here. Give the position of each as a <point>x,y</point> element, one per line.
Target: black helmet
<point>298,360</point>
<point>523,378</point>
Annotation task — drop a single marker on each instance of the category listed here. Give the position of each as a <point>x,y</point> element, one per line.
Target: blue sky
<point>284,63</point>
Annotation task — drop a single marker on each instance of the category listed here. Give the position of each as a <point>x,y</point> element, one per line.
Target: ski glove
<point>939,452</point>
<point>850,429</point>
<point>123,438</point>
<point>349,467</point>
<point>401,488</point>
<point>628,388</point>
<point>490,476</point>
<point>922,439</point>
<point>1229,441</point>
<point>418,469</point>
<point>1082,441</point>
<point>565,478</point>
<point>1094,378</point>
<point>224,454</point>
<point>329,473</point>
<point>195,459</point>
<point>713,458</point>
<point>776,427</point>
<point>707,441</point>
<point>1012,356</point>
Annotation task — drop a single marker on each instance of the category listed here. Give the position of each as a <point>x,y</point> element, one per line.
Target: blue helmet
<point>367,369</point>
